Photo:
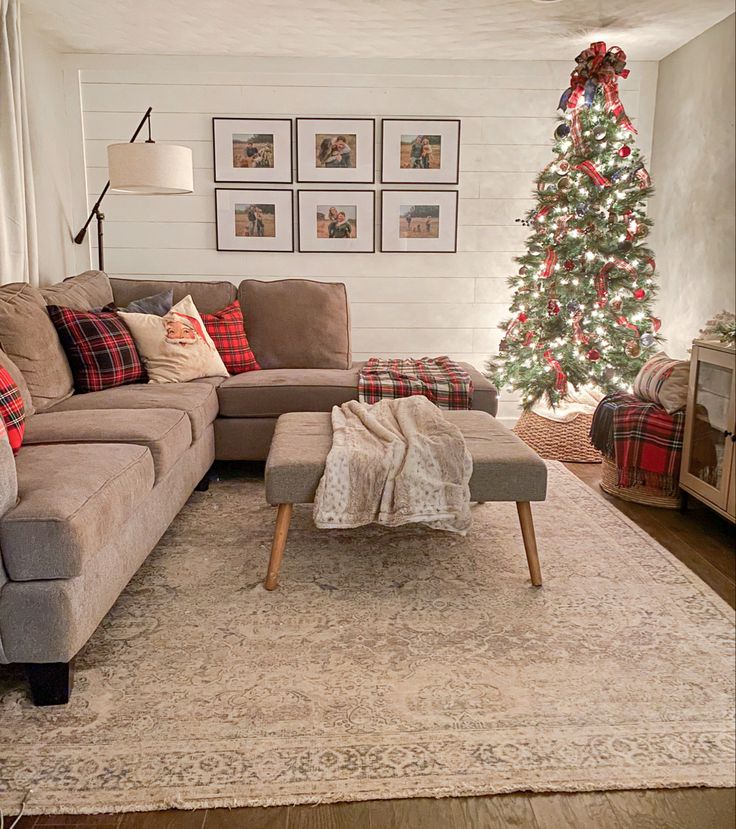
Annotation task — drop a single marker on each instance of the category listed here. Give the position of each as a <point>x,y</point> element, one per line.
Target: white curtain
<point>18,243</point>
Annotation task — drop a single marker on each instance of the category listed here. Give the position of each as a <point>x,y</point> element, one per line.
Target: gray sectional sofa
<point>101,475</point>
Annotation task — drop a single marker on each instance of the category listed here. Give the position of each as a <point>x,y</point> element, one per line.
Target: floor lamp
<point>145,168</point>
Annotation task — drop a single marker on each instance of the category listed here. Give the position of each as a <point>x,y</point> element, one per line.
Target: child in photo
<point>337,154</point>
<point>426,154</point>
<point>342,228</point>
<point>415,156</point>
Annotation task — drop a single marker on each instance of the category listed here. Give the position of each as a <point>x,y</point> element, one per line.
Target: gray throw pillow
<point>157,304</point>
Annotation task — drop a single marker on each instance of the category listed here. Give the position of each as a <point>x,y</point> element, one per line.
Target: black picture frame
<point>218,180</point>
<point>328,182</point>
<point>418,182</point>
<point>345,192</point>
<point>258,190</point>
<point>416,193</point>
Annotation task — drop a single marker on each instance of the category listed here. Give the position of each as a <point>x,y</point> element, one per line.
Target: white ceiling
<point>453,29</point>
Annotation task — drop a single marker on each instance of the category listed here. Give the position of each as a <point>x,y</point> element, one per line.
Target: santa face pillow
<point>176,347</point>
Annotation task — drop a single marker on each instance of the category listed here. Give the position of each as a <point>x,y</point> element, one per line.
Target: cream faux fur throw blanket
<point>395,462</point>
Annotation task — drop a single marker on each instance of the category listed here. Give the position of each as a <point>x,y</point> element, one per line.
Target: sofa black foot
<point>203,485</point>
<point>51,683</point>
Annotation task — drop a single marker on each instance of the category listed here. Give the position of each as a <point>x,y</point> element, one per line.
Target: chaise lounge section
<point>101,475</point>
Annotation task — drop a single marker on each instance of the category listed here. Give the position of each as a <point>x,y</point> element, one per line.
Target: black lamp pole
<point>96,213</point>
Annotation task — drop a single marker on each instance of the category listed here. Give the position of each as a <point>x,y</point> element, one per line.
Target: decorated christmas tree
<point>581,313</point>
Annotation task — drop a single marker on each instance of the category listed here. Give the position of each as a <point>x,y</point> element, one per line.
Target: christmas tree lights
<point>581,311</point>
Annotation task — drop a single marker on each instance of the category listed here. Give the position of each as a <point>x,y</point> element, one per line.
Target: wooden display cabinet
<point>708,469</point>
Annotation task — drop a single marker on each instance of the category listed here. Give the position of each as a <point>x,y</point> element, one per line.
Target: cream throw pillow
<point>664,381</point>
<point>176,347</point>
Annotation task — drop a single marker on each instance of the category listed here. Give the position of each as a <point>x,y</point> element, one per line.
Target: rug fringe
<point>183,803</point>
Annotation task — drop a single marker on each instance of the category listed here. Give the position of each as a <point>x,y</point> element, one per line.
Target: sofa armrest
<point>8,477</point>
<point>8,497</point>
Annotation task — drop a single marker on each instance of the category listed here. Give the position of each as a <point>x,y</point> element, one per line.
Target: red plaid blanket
<point>440,379</point>
<point>642,438</point>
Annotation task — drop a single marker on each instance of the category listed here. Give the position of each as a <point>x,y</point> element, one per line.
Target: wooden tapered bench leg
<point>283,519</point>
<point>530,542</point>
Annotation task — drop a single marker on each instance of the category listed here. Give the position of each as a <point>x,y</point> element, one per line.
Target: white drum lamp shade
<point>148,168</point>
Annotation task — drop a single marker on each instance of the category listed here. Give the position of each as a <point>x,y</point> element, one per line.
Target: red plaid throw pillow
<point>227,329</point>
<point>12,410</point>
<point>99,347</point>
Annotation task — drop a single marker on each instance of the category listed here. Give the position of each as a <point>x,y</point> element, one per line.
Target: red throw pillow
<point>100,348</point>
<point>227,329</point>
<point>12,410</point>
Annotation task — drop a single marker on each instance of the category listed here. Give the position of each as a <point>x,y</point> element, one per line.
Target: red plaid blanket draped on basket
<point>643,440</point>
<point>440,379</point>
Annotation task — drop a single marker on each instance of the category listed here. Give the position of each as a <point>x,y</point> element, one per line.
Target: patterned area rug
<point>388,664</point>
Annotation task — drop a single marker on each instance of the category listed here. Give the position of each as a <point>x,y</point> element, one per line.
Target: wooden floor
<point>700,539</point>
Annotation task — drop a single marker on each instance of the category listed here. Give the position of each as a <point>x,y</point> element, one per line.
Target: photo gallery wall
<point>334,152</point>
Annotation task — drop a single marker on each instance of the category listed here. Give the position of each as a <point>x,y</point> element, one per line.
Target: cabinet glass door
<point>711,426</point>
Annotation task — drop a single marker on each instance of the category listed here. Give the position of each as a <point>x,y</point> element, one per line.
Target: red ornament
<point>593,355</point>
<point>639,293</point>
<point>522,317</point>
<point>625,151</point>
<point>553,307</point>
<point>568,265</point>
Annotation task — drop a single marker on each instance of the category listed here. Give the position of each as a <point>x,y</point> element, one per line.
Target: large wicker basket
<point>638,494</point>
<point>555,441</point>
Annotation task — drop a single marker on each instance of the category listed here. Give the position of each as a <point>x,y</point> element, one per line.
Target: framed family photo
<point>335,150</point>
<point>419,221</point>
<point>336,221</point>
<point>253,150</point>
<point>254,220</point>
<point>420,151</point>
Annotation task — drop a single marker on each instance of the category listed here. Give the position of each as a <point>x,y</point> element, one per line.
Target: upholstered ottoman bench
<point>504,469</point>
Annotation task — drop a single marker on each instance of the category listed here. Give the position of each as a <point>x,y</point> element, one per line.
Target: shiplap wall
<point>402,304</point>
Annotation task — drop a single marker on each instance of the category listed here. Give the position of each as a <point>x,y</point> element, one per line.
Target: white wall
<point>50,151</point>
<point>401,303</point>
<point>693,172</point>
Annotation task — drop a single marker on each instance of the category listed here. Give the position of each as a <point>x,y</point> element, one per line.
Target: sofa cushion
<point>99,347</point>
<point>197,399</point>
<point>84,291</point>
<point>272,392</point>
<point>71,500</point>
<point>28,337</point>
<point>207,296</point>
<point>166,432</point>
<point>19,380</point>
<point>297,323</point>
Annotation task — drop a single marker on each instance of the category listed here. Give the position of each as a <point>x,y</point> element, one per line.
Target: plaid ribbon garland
<point>591,170</point>
<point>601,279</point>
<point>549,263</point>
<point>623,321</point>
<point>439,379</point>
<point>560,376</point>
<point>643,440</point>
<point>576,130</point>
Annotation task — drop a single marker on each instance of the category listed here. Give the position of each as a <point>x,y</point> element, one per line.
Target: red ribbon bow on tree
<point>598,67</point>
